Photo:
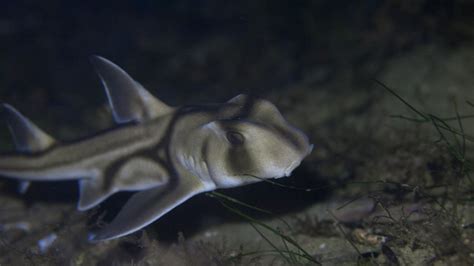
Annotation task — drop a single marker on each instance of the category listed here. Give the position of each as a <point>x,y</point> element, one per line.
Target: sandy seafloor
<point>385,190</point>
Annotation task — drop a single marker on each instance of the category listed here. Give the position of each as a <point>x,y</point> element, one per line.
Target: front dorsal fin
<point>128,99</point>
<point>26,135</point>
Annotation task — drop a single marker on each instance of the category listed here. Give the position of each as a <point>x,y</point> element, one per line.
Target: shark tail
<point>26,135</point>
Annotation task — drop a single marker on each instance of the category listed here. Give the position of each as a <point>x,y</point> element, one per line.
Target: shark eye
<point>235,138</point>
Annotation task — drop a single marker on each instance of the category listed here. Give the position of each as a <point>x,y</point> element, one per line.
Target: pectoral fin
<point>27,136</point>
<point>128,99</point>
<point>145,207</point>
<point>136,174</point>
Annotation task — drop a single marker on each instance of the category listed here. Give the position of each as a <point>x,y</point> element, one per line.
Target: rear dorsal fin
<point>26,135</point>
<point>128,99</point>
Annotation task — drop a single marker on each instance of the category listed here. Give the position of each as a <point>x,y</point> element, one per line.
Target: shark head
<point>248,142</point>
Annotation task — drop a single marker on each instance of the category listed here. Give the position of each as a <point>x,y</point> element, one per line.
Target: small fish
<point>165,154</point>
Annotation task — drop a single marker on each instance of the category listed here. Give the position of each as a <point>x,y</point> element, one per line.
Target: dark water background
<point>205,49</point>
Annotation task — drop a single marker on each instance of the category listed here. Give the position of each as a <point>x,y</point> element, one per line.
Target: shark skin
<point>165,154</point>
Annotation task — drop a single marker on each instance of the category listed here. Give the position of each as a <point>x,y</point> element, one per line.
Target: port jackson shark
<point>165,154</point>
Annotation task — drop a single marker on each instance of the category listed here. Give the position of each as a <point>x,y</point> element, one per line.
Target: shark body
<point>166,154</point>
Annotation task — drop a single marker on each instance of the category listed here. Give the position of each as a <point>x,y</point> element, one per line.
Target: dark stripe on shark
<point>185,110</point>
<point>68,158</point>
<point>290,138</point>
<point>248,109</point>
<point>151,153</point>
<point>238,161</point>
<point>112,170</point>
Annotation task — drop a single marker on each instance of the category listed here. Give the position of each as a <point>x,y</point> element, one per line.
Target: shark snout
<point>288,170</point>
